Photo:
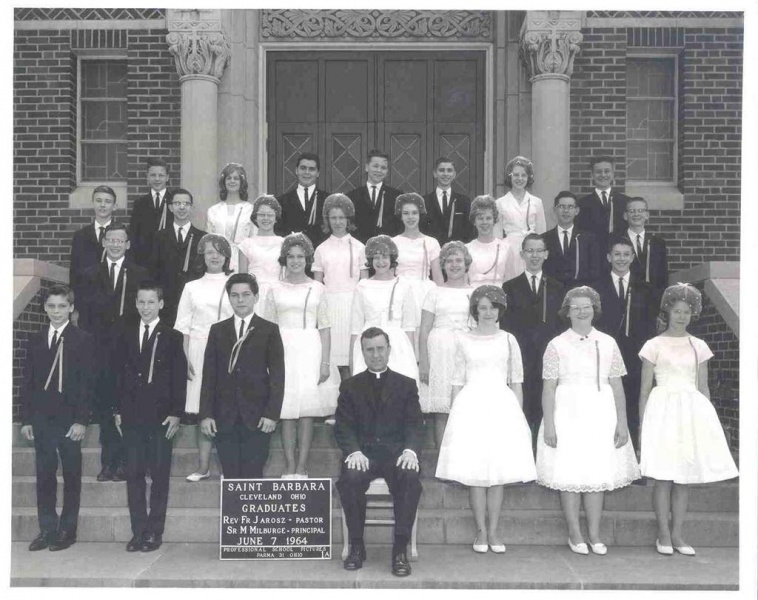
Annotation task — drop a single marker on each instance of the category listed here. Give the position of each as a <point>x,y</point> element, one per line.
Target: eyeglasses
<point>566,207</point>
<point>636,211</point>
<point>535,251</point>
<point>181,204</point>
<point>113,242</point>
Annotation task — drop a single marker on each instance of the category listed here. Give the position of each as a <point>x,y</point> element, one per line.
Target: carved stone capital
<point>198,42</point>
<point>550,41</point>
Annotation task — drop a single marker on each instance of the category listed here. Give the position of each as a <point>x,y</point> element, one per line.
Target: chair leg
<point>345,535</point>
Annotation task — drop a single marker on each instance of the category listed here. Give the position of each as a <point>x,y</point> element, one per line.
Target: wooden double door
<point>415,106</point>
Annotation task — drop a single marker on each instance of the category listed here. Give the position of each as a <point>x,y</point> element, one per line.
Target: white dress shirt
<point>439,197</point>
<point>150,328</point>
<point>51,330</point>
<point>118,264</point>
<point>238,320</point>
<point>625,278</point>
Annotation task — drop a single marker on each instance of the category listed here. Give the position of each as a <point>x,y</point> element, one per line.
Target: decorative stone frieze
<point>550,41</point>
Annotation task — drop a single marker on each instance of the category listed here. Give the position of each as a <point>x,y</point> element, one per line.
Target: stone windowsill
<point>659,196</point>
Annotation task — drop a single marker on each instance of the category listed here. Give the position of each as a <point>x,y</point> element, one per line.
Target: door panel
<point>346,149</point>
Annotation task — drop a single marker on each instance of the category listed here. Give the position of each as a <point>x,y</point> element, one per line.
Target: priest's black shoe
<point>106,474</point>
<point>41,542</point>
<point>134,544</point>
<point>400,565</point>
<point>119,475</point>
<point>65,539</point>
<point>355,557</point>
<point>151,541</point>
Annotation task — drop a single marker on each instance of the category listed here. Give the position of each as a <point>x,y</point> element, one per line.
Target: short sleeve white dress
<point>301,310</point>
<point>262,253</point>
<point>585,458</point>
<point>233,222</point>
<point>414,263</point>
<point>487,440</point>
<point>682,438</point>
<point>492,263</point>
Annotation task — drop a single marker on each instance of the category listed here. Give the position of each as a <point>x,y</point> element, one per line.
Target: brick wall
<point>44,132</point>
<point>709,132</point>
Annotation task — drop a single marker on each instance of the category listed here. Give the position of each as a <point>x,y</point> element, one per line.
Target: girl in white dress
<point>682,438</point>
<point>260,254</point>
<point>339,263</point>
<point>445,312</point>
<point>203,302</point>
<point>418,254</point>
<point>231,216</point>
<point>583,447</point>
<point>492,259</point>
<point>487,442</point>
<point>298,305</point>
<point>384,301</point>
<point>521,213</point>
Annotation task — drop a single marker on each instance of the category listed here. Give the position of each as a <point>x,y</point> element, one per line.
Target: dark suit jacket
<point>437,225</point>
<point>563,268</point>
<point>294,218</point>
<point>523,317</point>
<point>380,430</point>
<point>367,215</point>
<point>167,266</point>
<point>79,359</point>
<point>143,225</point>
<point>85,252</point>
<point>137,401</point>
<point>655,246</point>
<point>593,216</point>
<point>99,305</point>
<point>255,388</point>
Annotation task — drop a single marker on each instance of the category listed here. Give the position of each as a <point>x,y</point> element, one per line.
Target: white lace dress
<point>301,311</point>
<point>682,438</point>
<point>262,253</point>
<point>204,302</point>
<point>585,458</point>
<point>341,261</point>
<point>517,219</point>
<point>487,440</point>
<point>492,263</point>
<point>233,222</point>
<point>450,307</point>
<point>387,304</point>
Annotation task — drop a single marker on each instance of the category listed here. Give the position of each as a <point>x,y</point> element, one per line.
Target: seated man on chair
<point>378,429</point>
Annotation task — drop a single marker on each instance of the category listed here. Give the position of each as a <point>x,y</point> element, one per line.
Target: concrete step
<point>435,526</point>
<point>716,497</point>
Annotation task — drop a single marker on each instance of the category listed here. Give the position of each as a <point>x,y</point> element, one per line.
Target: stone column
<point>201,49</point>
<point>549,42</point>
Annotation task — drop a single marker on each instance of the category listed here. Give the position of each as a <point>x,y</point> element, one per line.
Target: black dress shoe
<point>106,474</point>
<point>400,565</point>
<point>41,542</point>
<point>151,542</point>
<point>119,475</point>
<point>134,544</point>
<point>64,540</point>
<point>355,557</point>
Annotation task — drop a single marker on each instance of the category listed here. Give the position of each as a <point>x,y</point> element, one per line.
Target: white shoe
<point>580,548</point>
<point>498,548</point>
<point>195,477</point>
<point>599,548</point>
<point>665,550</point>
<point>687,550</point>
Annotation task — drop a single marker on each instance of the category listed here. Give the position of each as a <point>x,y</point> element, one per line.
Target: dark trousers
<point>242,451</point>
<point>50,441</point>
<point>404,485</point>
<point>146,447</point>
<point>111,444</point>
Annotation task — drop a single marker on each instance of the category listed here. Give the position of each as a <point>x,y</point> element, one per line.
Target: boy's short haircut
<point>182,192</point>
<point>443,159</point>
<point>247,278</point>
<point>530,237</point>
<point>309,156</point>
<point>104,189</point>
<point>151,286</point>
<point>602,158</point>
<point>636,199</point>
<point>117,227</point>
<point>619,241</point>
<point>565,194</point>
<point>59,289</point>
<point>156,162</point>
<point>375,153</point>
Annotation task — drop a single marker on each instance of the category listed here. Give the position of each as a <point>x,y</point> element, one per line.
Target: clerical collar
<point>378,374</point>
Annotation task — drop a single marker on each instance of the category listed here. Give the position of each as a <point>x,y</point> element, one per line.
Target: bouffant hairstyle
<point>342,202</point>
<point>225,172</point>
<point>482,203</point>
<point>681,292</point>
<point>266,200</point>
<point>409,198</point>
<point>494,294</point>
<point>384,245</point>
<point>455,247</point>
<point>580,292</point>
<point>296,239</point>
<point>519,161</point>
<point>217,242</point>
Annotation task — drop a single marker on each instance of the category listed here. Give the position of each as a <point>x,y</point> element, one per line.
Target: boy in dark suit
<point>628,315</point>
<point>107,297</point>
<point>447,211</point>
<point>243,383</point>
<point>303,205</point>
<point>150,212</point>
<point>573,256</point>
<point>375,202</point>
<point>56,395</point>
<point>534,300</point>
<point>174,253</point>
<point>378,429</point>
<point>650,255</point>
<point>151,375</point>
<point>602,211</point>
